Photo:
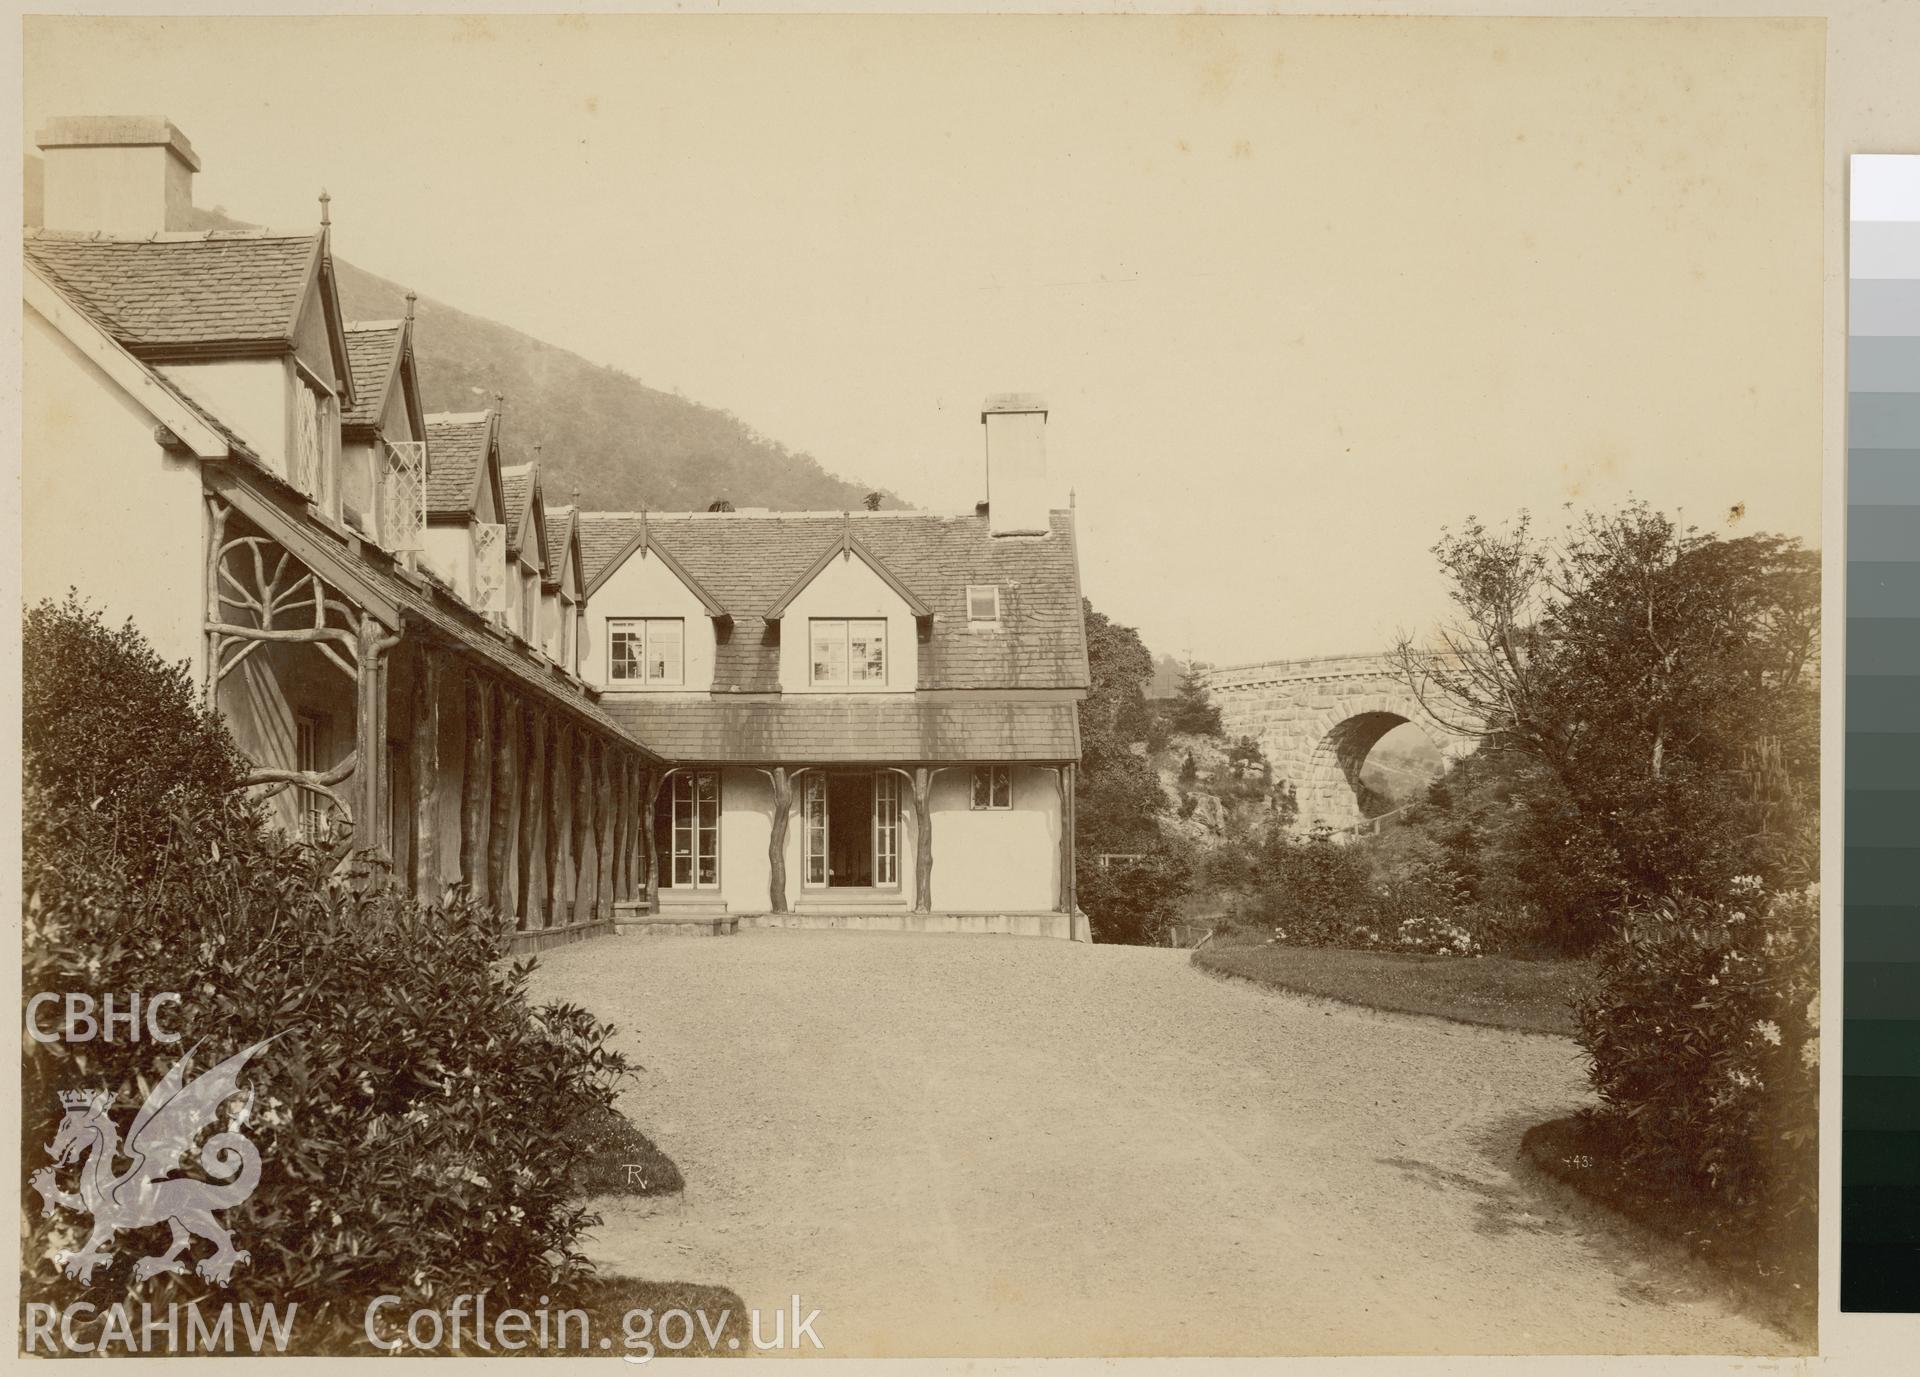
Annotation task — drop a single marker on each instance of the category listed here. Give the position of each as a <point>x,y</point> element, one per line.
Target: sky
<point>1299,292</point>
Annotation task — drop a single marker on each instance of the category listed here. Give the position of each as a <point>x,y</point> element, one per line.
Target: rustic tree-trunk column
<point>584,838</point>
<point>502,787</point>
<point>1070,843</point>
<point>777,840</point>
<point>476,787</point>
<point>559,822</point>
<point>636,884</point>
<point>217,512</point>
<point>1063,775</point>
<point>655,778</point>
<point>369,742</point>
<point>621,782</point>
<point>923,840</point>
<point>533,823</point>
<point>426,774</point>
<point>604,773</point>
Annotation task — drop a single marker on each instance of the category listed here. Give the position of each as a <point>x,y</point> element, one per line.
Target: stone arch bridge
<point>1317,720</point>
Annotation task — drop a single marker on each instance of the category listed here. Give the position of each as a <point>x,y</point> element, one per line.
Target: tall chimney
<point>117,174</point>
<point>1016,425</point>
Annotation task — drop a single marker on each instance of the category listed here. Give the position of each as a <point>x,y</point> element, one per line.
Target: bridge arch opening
<point>1367,766</point>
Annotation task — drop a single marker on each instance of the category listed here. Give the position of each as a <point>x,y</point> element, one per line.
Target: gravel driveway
<point>1001,1146</point>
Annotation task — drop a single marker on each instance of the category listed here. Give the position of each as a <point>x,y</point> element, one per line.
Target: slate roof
<point>456,450</point>
<point>516,481</point>
<point>372,347</point>
<point>178,291</point>
<point>559,523</point>
<point>810,729</point>
<point>748,561</point>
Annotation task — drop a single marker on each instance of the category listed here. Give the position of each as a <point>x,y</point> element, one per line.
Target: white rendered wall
<point>996,861</point>
<point>250,396</point>
<point>104,508</point>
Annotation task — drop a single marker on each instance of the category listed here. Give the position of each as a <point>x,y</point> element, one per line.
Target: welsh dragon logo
<point>176,1112</point>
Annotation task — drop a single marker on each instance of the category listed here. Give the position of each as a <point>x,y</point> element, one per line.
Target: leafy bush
<point>414,1116</point>
<point>1134,902</point>
<point>1703,1031</point>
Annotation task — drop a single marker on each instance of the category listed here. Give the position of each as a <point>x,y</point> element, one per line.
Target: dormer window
<point>983,604</point>
<point>848,652</point>
<point>647,650</point>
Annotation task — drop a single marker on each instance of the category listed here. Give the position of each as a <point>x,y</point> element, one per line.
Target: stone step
<point>685,923</point>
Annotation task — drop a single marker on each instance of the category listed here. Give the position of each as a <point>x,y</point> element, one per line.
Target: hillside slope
<point>624,444</point>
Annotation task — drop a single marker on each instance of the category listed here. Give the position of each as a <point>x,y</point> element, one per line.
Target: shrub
<point>1134,902</point>
<point>414,1117</point>
<point>1703,1031</point>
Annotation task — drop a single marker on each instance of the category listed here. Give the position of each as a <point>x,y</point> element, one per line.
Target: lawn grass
<point>621,1160</point>
<point>1497,991</point>
<point>1777,1278</point>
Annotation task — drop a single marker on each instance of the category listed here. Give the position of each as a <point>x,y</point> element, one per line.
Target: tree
<point>1650,670</point>
<point>872,500</point>
<point>1191,711</point>
<point>1120,801</point>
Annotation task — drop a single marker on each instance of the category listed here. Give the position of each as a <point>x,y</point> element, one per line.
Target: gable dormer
<point>526,523</point>
<point>382,438</point>
<point>653,626</point>
<point>466,535</point>
<point>848,624</point>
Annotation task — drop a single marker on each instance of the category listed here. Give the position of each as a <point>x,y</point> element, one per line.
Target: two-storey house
<point>871,716</point>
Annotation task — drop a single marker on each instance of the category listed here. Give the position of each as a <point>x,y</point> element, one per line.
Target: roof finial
<point>643,533</point>
<point>326,215</point>
<point>537,447</point>
<point>1073,498</point>
<point>576,494</point>
<point>411,298</point>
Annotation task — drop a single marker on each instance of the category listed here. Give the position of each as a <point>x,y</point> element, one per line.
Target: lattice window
<point>309,445</point>
<point>489,566</point>
<point>403,513</point>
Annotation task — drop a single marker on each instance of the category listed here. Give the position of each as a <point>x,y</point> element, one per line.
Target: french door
<point>850,830</point>
<point>687,831</point>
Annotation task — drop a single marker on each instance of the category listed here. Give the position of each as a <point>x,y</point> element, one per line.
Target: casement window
<point>886,828</point>
<point>848,652</point>
<point>403,502</point>
<point>490,568</point>
<point>992,787</point>
<point>529,605</point>
<point>983,604</point>
<point>309,738</point>
<point>647,650</point>
<point>313,457</point>
<point>850,830</point>
<point>692,852</point>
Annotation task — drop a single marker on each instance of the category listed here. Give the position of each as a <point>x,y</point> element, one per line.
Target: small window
<point>983,604</point>
<point>647,650</point>
<point>992,786</point>
<point>849,652</point>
